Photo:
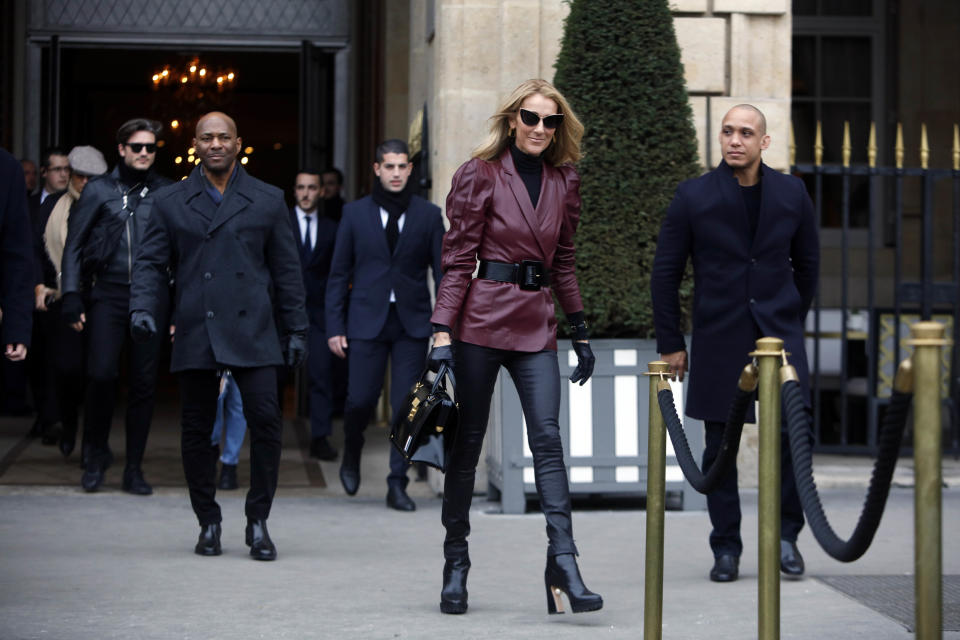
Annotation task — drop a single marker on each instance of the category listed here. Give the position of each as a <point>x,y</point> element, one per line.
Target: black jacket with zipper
<point>107,202</point>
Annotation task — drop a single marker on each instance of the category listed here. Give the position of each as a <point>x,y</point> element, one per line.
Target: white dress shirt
<point>384,217</point>
<point>302,218</point>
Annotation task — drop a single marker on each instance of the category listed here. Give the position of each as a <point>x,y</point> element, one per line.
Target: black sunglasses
<point>531,119</point>
<point>137,146</point>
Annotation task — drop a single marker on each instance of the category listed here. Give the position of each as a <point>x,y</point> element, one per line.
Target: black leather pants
<point>537,379</point>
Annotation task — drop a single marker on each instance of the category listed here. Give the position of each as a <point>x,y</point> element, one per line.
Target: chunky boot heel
<point>453,596</point>
<point>563,576</point>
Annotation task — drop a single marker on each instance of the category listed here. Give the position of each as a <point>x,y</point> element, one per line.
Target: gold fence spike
<point>818,147</point>
<point>846,143</point>
<point>956,148</point>
<point>899,148</point>
<point>924,147</point>
<point>792,147</point>
<point>872,146</point>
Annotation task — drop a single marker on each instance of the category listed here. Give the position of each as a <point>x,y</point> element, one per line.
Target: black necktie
<point>307,246</point>
<point>393,231</point>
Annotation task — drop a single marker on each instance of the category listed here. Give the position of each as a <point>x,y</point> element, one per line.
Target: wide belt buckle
<point>530,273</point>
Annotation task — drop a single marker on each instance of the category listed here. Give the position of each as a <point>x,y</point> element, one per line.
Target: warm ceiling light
<point>244,160</point>
<point>160,143</point>
<point>203,72</point>
<point>190,151</point>
<point>277,146</point>
<point>248,150</point>
<point>197,161</point>
<point>190,158</point>
<point>178,160</point>
<point>193,68</point>
<point>219,79</point>
<point>174,124</point>
<point>165,73</point>
<point>230,76</point>
<point>183,80</point>
<point>156,77</point>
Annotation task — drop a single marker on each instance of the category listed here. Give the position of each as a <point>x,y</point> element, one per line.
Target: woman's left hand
<point>586,361</point>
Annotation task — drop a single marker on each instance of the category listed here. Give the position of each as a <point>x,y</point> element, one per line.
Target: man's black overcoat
<point>742,288</point>
<point>17,270</point>
<point>232,265</point>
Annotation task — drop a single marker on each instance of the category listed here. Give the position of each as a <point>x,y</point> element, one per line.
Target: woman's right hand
<point>441,353</point>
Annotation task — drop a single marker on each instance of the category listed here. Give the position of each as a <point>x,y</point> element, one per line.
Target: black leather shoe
<point>398,499</point>
<point>350,479</point>
<point>726,568</point>
<point>50,434</point>
<point>261,546</point>
<point>228,477</point>
<point>67,445</point>
<point>92,476</point>
<point>453,596</point>
<point>791,562</point>
<point>322,449</point>
<point>563,576</point>
<point>208,544</point>
<point>133,482</point>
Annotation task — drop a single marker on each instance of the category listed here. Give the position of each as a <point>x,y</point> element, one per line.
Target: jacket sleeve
<point>470,195</point>
<point>16,261</point>
<point>283,261</point>
<point>338,282</point>
<point>82,218</point>
<point>669,262</point>
<point>149,286</point>
<point>805,253</point>
<point>564,281</point>
<point>436,249</point>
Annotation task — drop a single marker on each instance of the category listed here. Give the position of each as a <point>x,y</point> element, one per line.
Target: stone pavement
<point>110,565</point>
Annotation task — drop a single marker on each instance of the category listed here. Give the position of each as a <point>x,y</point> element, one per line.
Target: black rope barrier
<point>705,482</point>
<point>890,437</point>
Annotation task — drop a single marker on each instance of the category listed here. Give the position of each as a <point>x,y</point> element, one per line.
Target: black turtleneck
<point>530,169</point>
<point>130,176</point>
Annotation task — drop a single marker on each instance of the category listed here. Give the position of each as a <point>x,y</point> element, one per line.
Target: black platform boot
<point>453,597</point>
<point>563,576</point>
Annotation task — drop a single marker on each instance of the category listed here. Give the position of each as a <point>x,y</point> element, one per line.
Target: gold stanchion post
<point>927,340</point>
<point>769,353</point>
<point>656,497</point>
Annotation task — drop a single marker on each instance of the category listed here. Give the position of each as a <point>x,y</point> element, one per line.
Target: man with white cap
<point>58,350</point>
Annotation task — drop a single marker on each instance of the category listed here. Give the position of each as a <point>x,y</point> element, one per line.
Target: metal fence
<point>881,328</point>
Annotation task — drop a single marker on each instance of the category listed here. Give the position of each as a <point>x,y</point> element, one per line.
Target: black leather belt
<point>531,275</point>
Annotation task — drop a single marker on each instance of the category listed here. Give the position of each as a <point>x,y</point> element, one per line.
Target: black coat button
<point>207,275</point>
<point>210,315</point>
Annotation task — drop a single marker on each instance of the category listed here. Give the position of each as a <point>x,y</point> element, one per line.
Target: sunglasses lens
<point>151,148</point>
<point>552,122</point>
<point>137,147</point>
<point>529,118</point>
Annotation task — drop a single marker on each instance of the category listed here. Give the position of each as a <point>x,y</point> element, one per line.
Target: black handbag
<point>425,427</point>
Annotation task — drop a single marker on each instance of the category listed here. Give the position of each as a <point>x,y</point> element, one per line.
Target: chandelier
<point>194,76</point>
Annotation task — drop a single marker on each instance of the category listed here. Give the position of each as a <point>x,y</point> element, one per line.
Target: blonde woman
<point>515,207</point>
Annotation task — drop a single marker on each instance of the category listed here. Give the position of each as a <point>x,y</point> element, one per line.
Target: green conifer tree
<point>619,66</point>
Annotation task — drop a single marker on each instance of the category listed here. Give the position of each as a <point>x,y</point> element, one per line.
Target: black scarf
<point>130,176</point>
<point>394,203</point>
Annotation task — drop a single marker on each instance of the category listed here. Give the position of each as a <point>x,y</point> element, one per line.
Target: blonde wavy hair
<point>565,146</point>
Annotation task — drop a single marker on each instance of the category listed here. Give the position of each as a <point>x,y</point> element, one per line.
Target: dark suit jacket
<point>743,289</point>
<point>492,218</point>
<point>317,270</point>
<point>232,265</point>
<point>17,269</point>
<point>362,257</point>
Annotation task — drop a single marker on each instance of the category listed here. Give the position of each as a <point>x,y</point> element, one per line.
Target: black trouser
<point>199,389</point>
<point>368,364</point>
<point>43,359</point>
<point>723,503</point>
<point>68,348</point>
<point>537,379</point>
<point>107,328</point>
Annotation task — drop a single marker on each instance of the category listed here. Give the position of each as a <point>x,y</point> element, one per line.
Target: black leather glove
<point>72,307</point>
<point>440,355</point>
<point>295,349</point>
<point>143,328</point>
<point>585,365</point>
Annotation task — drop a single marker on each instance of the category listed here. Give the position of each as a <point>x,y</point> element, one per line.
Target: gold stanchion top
<point>663,385</point>
<point>872,146</point>
<point>657,367</point>
<point>846,143</point>
<point>787,373</point>
<point>768,347</point>
<point>927,334</point>
<point>749,378</point>
<point>818,146</point>
<point>899,148</point>
<point>903,382</point>
<point>924,147</point>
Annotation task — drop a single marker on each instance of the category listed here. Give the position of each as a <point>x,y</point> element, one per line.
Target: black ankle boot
<point>261,546</point>
<point>453,597</point>
<point>563,576</point>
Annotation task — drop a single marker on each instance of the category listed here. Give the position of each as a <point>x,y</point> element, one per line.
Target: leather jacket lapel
<point>522,197</point>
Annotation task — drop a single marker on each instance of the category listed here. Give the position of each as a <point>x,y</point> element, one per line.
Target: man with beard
<point>385,243</point>
<point>316,234</point>
<point>227,238</point>
<point>103,234</point>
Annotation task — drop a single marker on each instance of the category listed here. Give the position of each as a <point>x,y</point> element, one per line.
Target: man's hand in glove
<point>295,350</point>
<point>143,328</point>
<point>586,360</point>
